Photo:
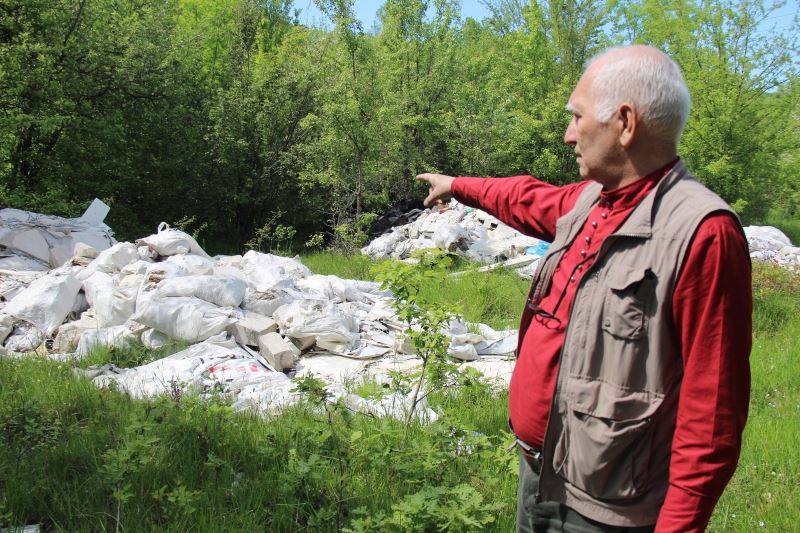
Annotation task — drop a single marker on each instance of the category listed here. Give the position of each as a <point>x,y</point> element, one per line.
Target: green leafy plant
<point>272,236</point>
<point>424,320</point>
<point>349,237</point>
<point>459,508</point>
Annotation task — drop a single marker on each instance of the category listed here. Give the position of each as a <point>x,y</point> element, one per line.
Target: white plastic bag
<point>194,264</point>
<point>224,291</point>
<point>153,339</point>
<point>168,241</point>
<point>46,302</point>
<point>265,303</point>
<point>111,260</point>
<point>765,238</point>
<point>267,271</point>
<point>185,318</point>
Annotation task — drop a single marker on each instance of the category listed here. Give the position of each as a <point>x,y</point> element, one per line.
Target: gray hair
<point>651,82</point>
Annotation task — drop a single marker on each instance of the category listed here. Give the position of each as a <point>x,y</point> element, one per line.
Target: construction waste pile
<point>480,237</point>
<point>770,245</point>
<point>250,321</point>
<point>465,231</point>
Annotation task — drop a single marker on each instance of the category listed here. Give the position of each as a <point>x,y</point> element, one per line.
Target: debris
<point>278,353</point>
<point>39,242</point>
<point>468,232</point>
<point>341,330</point>
<point>771,245</point>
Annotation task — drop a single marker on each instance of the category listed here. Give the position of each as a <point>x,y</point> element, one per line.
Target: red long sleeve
<point>523,202</point>
<point>712,312</point>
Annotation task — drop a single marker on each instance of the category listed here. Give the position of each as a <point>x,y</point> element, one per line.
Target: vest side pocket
<point>606,444</point>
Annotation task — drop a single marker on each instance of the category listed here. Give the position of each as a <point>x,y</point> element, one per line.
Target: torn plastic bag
<point>451,237</point>
<point>266,302</point>
<point>319,319</point>
<point>46,302</point>
<point>184,318</point>
<point>168,241</point>
<point>266,271</point>
<point>111,337</point>
<point>503,342</point>
<point>24,338</point>
<point>224,291</point>
<point>461,349</point>
<point>157,272</point>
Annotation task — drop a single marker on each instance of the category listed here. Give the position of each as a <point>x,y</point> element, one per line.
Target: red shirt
<point>712,304</point>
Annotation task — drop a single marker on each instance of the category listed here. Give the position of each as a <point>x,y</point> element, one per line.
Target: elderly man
<point>632,381</point>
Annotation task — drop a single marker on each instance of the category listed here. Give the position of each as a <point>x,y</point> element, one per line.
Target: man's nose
<point>569,135</point>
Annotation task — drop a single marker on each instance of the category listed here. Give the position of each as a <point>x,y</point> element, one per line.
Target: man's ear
<point>627,122</point>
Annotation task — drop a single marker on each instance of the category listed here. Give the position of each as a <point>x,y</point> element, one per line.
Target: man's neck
<point>637,168</point>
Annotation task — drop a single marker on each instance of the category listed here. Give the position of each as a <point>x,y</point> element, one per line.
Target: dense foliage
<point>230,116</point>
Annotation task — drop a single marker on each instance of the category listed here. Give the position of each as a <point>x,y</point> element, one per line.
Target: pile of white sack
<point>478,236</point>
<point>249,320</point>
<point>771,245</point>
<point>468,232</point>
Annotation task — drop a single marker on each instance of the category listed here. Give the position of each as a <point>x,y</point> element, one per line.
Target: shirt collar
<point>633,193</point>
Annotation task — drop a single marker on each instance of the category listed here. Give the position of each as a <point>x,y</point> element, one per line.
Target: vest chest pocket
<point>628,302</point>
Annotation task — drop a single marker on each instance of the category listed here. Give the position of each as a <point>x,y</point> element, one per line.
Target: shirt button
<point>604,215</point>
<point>572,279</point>
<point>583,253</point>
<point>594,223</point>
<point>588,239</point>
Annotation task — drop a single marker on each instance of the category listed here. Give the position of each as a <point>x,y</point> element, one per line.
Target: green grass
<point>77,458</point>
<point>765,491</point>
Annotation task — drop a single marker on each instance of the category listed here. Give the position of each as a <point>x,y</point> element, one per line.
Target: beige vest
<point>608,438</point>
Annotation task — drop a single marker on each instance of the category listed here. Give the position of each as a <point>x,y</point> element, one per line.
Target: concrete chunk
<point>278,353</point>
<point>304,343</point>
<point>248,329</point>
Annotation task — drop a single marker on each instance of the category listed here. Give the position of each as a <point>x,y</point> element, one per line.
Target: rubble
<point>468,232</point>
<point>34,242</point>
<point>769,244</point>
<point>250,321</point>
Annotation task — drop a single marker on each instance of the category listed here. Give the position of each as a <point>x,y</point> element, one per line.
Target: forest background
<point>242,125</point>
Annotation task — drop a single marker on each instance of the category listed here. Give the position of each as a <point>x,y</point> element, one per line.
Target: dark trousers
<point>553,517</point>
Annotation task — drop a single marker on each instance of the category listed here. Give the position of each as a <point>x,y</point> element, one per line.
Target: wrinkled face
<point>596,144</point>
